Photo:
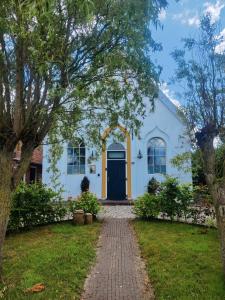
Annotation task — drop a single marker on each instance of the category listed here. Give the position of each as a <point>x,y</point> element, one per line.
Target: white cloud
<point>221,47</point>
<point>165,89</point>
<point>191,18</point>
<point>194,21</point>
<point>214,10</point>
<point>188,17</point>
<point>162,15</point>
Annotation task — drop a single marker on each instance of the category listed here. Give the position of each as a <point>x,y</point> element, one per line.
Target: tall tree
<point>201,70</point>
<point>66,61</point>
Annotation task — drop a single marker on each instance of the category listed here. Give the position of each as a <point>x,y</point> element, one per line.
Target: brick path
<point>119,272</point>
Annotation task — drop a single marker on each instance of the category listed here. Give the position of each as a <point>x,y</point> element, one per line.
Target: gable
<point>169,105</point>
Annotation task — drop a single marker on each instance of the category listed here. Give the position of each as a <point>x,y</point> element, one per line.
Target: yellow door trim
<point>104,161</point>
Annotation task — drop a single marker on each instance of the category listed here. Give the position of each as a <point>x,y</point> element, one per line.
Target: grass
<point>183,261</point>
<point>59,256</point>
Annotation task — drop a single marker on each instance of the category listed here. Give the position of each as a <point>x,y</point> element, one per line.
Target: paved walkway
<point>117,212</point>
<point>119,272</point>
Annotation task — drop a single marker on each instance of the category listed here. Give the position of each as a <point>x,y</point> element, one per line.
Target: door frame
<point>127,161</point>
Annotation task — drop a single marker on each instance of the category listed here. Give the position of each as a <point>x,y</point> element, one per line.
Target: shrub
<point>85,184</point>
<point>185,200</point>
<point>153,186</point>
<point>169,197</point>
<point>35,204</point>
<point>147,206</point>
<point>202,195</point>
<point>175,199</point>
<point>86,201</point>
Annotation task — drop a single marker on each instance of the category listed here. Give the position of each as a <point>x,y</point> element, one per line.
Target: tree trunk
<point>10,177</point>
<point>216,189</point>
<point>218,195</point>
<point>5,200</point>
<point>5,204</point>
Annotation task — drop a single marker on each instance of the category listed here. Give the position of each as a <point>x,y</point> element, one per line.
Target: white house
<point>123,169</point>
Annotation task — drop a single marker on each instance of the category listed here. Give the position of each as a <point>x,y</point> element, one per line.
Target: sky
<point>181,19</point>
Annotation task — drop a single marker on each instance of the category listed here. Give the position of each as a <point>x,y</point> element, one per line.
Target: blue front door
<point>116,175</point>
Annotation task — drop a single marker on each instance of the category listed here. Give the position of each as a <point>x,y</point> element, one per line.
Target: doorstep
<point>116,202</point>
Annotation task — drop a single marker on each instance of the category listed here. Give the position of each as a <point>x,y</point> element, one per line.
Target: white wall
<point>163,123</point>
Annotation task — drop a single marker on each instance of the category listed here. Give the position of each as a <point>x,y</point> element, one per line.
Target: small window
<point>156,156</point>
<point>76,159</point>
<point>116,155</point>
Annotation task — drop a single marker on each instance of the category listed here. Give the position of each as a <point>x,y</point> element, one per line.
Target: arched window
<point>76,159</point>
<point>156,156</point>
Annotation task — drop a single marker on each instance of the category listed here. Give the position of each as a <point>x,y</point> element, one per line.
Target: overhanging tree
<point>201,70</point>
<point>66,61</point>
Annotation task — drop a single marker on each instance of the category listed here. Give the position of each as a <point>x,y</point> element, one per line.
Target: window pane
<point>75,160</point>
<point>160,151</point>
<point>76,169</point>
<point>82,151</point>
<point>82,160</point>
<point>82,169</point>
<point>157,169</point>
<point>76,152</point>
<point>157,160</point>
<point>150,160</point>
<point>163,169</point>
<point>150,170</point>
<point>69,169</point>
<point>150,150</point>
<point>70,151</point>
<point>116,154</point>
<point>162,160</point>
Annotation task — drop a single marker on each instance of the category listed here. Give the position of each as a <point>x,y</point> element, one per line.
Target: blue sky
<point>181,19</point>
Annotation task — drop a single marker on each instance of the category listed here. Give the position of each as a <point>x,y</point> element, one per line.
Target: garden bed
<point>183,261</point>
<point>58,256</point>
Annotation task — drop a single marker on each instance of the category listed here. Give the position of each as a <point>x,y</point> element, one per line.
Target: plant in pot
<point>85,183</point>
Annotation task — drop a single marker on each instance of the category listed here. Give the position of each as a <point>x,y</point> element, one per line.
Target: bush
<point>172,200</point>
<point>153,186</point>
<point>185,200</point>
<point>147,206</point>
<point>85,184</point>
<point>35,204</point>
<point>86,201</point>
<point>169,197</point>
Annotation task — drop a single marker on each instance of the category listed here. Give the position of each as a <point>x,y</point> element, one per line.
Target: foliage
<point>85,184</point>
<point>202,196</point>
<point>183,261</point>
<point>182,162</point>
<point>63,62</point>
<point>35,204</point>
<point>147,206</point>
<point>201,70</point>
<point>169,203</point>
<point>101,48</point>
<point>57,255</point>
<point>86,201</point>
<point>200,67</point>
<point>173,200</point>
<point>153,186</point>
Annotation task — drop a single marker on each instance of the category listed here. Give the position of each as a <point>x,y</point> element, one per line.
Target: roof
<point>36,156</point>
<point>169,104</point>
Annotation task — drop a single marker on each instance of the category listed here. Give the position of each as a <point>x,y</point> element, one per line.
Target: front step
<point>116,202</point>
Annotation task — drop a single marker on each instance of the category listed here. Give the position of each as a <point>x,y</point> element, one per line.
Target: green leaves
<point>87,201</point>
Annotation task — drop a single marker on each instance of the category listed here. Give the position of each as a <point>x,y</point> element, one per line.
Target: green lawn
<point>183,262</point>
<point>59,256</point>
